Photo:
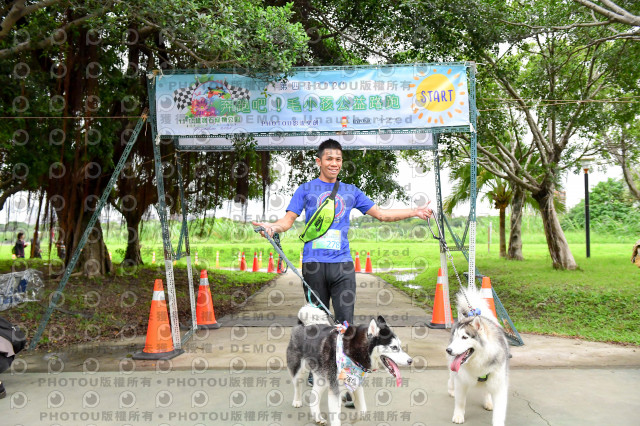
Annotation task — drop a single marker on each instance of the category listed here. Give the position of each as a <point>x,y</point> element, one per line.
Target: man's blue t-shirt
<point>333,247</point>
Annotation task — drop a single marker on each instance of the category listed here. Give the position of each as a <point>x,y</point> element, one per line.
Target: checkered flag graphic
<point>238,92</point>
<point>182,97</point>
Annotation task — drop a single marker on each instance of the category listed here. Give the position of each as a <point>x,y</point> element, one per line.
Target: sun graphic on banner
<point>435,97</point>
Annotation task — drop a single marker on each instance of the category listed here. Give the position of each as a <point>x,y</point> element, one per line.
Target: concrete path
<point>236,375</point>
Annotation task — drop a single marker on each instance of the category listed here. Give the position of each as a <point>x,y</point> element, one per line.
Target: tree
<point>555,81</point>
<point>617,131</point>
<point>79,76</point>
<point>621,145</point>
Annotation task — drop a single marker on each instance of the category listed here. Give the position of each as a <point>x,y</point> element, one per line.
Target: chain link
<point>445,248</point>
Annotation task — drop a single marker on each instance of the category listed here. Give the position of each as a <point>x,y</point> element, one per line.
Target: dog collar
<point>483,379</point>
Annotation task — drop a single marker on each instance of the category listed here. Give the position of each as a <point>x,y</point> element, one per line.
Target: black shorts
<point>335,282</point>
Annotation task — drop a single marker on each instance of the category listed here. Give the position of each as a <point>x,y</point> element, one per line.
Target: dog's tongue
<point>396,373</point>
<point>455,364</point>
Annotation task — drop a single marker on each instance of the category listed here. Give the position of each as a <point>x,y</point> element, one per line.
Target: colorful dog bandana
<point>348,370</point>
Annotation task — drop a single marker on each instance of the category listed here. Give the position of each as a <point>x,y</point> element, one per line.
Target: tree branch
<point>561,28</point>
<point>29,45</point>
<point>510,175</point>
<point>537,135</point>
<point>353,40</point>
<point>18,11</point>
<point>617,13</point>
<point>9,192</point>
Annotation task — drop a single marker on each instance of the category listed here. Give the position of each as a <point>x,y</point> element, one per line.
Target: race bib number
<point>352,380</point>
<point>329,241</point>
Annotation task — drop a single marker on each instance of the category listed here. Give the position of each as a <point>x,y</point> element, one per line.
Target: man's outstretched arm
<point>394,215</point>
<point>281,225</point>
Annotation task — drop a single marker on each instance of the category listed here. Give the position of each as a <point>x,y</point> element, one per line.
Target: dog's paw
<point>321,420</point>
<point>458,418</point>
<point>296,404</point>
<point>488,403</point>
<point>451,393</point>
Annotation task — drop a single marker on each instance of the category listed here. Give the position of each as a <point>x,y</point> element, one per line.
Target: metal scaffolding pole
<point>161,207</point>
<point>185,234</point>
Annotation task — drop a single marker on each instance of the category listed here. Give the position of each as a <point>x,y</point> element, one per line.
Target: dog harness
<point>349,371</point>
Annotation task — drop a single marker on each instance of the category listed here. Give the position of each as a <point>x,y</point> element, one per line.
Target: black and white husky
<point>313,347</point>
<point>478,354</point>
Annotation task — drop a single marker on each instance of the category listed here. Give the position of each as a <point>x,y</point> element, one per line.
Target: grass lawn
<point>117,306</point>
<point>599,301</point>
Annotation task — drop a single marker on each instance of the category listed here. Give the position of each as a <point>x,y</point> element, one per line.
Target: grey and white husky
<point>478,354</point>
<point>313,346</point>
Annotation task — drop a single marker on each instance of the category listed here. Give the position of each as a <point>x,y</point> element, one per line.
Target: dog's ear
<point>477,323</point>
<point>373,329</point>
<point>381,321</point>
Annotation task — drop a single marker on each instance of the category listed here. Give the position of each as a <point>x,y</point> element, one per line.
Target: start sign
<point>367,100</point>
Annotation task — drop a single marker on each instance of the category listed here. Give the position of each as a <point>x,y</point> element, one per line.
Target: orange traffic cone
<point>243,263</point>
<point>204,306</point>
<point>159,344</point>
<point>438,317</point>
<point>358,267</point>
<point>487,294</point>
<point>367,268</point>
<point>255,267</point>
<point>270,266</point>
<point>279,263</point>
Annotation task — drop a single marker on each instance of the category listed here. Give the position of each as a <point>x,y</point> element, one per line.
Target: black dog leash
<point>278,248</point>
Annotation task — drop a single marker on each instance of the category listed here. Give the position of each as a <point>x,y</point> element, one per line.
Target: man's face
<point>330,163</point>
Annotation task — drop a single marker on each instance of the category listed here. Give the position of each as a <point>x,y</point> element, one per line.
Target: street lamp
<point>585,166</point>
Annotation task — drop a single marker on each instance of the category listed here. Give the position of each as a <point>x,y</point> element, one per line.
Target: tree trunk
<point>503,244</point>
<point>558,247</point>
<point>515,236</point>
<point>132,255</point>
<point>35,246</point>
<point>94,258</point>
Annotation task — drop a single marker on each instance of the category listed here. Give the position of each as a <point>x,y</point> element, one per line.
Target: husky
<point>314,346</point>
<point>478,354</point>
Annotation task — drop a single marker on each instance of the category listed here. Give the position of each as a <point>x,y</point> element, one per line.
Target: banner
<point>405,141</point>
<point>315,101</point>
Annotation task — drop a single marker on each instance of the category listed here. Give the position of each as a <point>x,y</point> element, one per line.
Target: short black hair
<point>328,144</point>
<point>20,234</point>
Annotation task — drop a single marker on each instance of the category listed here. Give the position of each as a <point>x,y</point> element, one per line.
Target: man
<point>327,265</point>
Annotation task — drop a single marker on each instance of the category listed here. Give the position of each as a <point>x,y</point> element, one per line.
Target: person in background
<point>20,245</point>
